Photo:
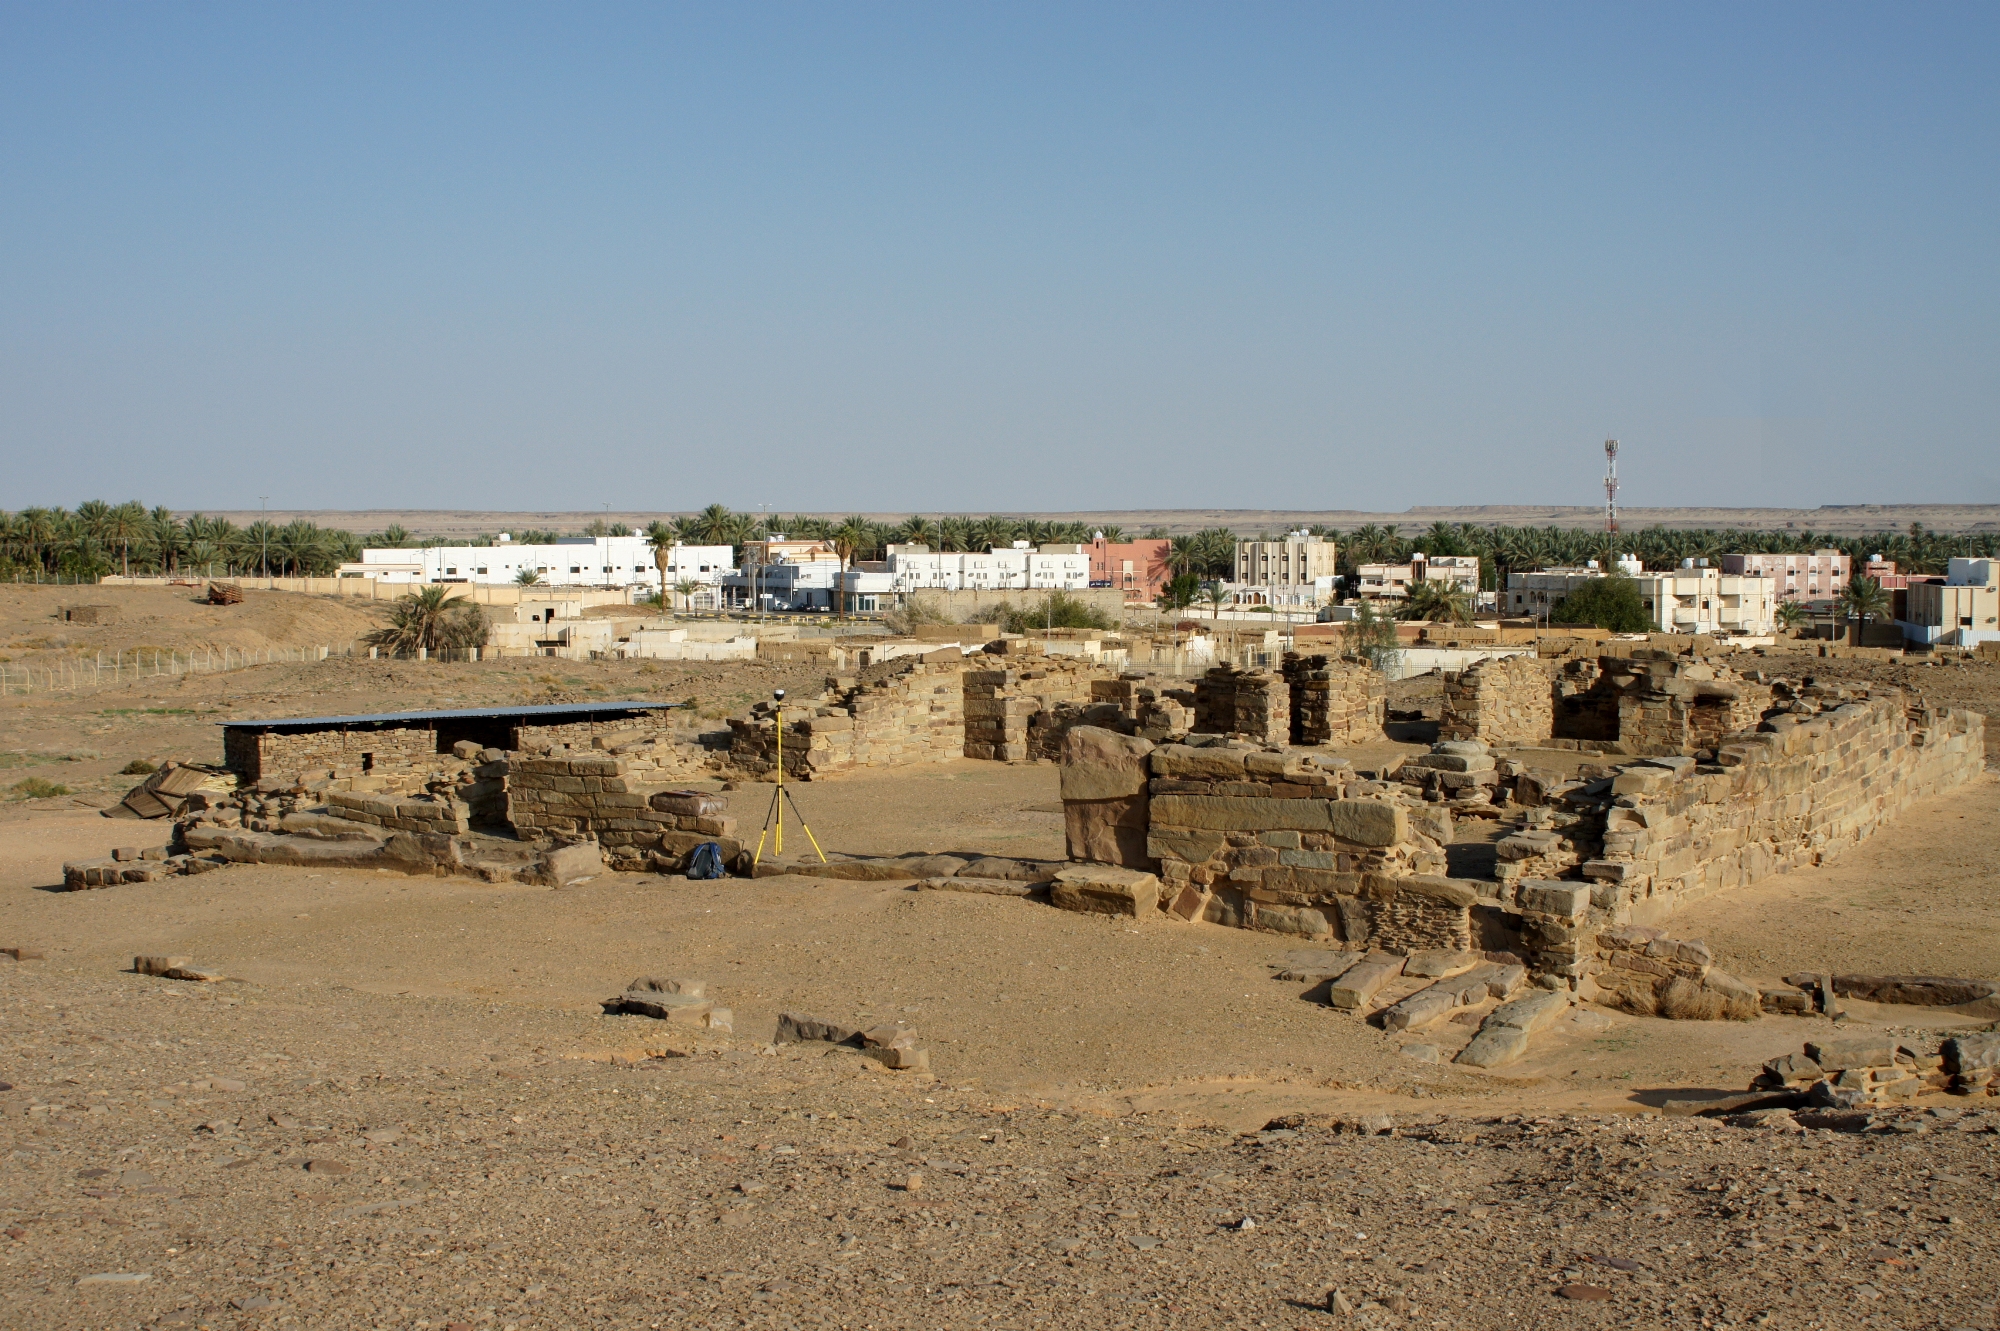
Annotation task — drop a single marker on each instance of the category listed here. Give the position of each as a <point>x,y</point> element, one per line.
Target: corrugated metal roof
<point>583,709</point>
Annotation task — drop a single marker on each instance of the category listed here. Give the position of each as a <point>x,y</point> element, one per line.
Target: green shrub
<point>34,788</point>
<point>1059,611</point>
<point>1611,603</point>
<point>1180,591</point>
<point>137,767</point>
<point>1372,636</point>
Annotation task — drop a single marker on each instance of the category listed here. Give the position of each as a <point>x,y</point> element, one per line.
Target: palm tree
<point>1436,602</point>
<point>167,537</point>
<point>857,534</point>
<point>90,517</point>
<point>917,530</point>
<point>1217,596</point>
<point>954,535</point>
<point>1790,614</point>
<point>1865,601</point>
<point>39,529</point>
<point>662,537</point>
<point>528,577</point>
<point>685,589</point>
<point>714,525</point>
<point>395,536</point>
<point>121,526</point>
<point>431,618</point>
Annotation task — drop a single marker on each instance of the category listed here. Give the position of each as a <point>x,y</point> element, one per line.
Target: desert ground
<point>406,1108</point>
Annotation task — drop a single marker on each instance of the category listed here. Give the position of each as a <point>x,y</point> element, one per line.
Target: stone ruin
<point>1651,702</point>
<point>1297,842</point>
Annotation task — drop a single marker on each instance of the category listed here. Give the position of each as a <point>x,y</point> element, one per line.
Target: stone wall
<point>1509,702</point>
<point>1284,841</point>
<point>1668,831</point>
<point>254,756</point>
<point>594,734</point>
<point>1251,703</point>
<point>627,802</point>
<point>1335,700</point>
<point>1646,701</point>
<point>914,715</point>
<point>1005,709</point>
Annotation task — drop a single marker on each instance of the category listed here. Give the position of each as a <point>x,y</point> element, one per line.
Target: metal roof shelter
<point>541,713</point>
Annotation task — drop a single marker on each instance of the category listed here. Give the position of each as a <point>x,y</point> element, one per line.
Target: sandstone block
<point>1096,889</point>
<point>1363,980</point>
<point>797,1028</point>
<point>1185,762</point>
<point>1108,831</point>
<point>1503,1037</point>
<point>1567,900</point>
<point>1100,764</point>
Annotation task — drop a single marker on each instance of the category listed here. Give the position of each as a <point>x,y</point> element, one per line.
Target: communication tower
<point>1611,488</point>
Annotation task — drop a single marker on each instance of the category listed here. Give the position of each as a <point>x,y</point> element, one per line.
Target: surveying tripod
<point>775,815</point>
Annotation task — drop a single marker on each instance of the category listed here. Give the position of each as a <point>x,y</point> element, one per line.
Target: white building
<point>1961,611</point>
<point>578,561</point>
<point>1693,598</point>
<point>813,582</point>
<point>1017,567</point>
<point>1392,582</point>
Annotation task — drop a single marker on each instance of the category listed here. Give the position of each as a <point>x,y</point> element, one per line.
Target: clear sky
<point>1014,257</point>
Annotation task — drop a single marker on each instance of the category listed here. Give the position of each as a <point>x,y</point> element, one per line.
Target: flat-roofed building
<point>1963,610</point>
<point>1137,568</point>
<point>1819,576</point>
<point>1392,582</point>
<point>1690,599</point>
<point>1296,570</point>
<point>580,561</point>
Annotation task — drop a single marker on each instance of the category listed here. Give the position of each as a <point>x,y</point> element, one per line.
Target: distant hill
<point>1832,519</point>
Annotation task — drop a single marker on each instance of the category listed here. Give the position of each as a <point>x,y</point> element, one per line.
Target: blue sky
<point>1016,257</point>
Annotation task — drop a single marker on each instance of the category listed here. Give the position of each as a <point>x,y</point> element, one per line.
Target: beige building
<point>1295,570</point>
<point>1961,611</point>
<point>1689,599</point>
<point>1392,582</point>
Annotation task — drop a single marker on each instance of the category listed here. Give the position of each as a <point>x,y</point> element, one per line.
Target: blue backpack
<point>706,862</point>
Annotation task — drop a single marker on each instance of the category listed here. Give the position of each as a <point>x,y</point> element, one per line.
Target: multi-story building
<point>1392,582</point>
<point>1020,566</point>
<point>1298,569</point>
<point>1137,568</point>
<point>1693,598</point>
<point>1819,576</point>
<point>1963,610</point>
<point>580,561</point>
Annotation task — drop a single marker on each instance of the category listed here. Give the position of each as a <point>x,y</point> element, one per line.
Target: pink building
<point>1884,572</point>
<point>1819,576</point>
<point>1138,568</point>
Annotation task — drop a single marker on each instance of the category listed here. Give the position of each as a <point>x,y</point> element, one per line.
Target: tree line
<point>98,538</point>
